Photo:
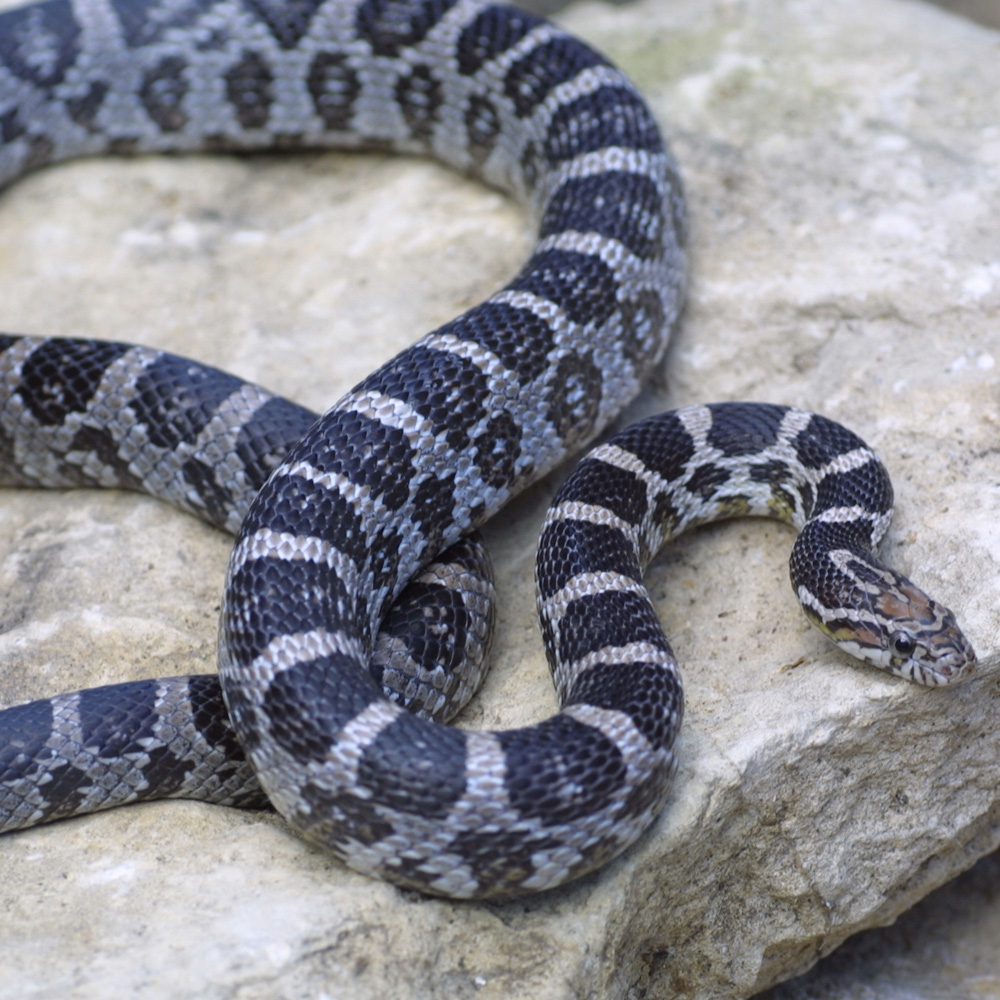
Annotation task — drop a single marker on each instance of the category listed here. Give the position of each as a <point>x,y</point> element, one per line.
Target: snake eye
<point>902,644</point>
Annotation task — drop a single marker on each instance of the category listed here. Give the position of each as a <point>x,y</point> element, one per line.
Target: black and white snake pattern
<point>352,507</point>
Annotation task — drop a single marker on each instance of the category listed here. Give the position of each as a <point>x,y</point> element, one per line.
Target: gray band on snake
<point>435,441</point>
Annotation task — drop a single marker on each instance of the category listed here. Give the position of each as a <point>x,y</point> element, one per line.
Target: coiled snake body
<point>427,447</point>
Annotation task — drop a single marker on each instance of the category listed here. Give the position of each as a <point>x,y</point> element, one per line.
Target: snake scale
<point>352,507</point>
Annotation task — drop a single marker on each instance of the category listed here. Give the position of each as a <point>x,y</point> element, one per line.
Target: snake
<point>336,516</point>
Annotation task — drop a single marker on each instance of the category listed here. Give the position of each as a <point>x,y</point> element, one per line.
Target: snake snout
<point>960,665</point>
<point>955,659</point>
<point>950,659</point>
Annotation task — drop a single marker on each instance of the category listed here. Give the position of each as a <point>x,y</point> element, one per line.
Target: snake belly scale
<point>435,441</point>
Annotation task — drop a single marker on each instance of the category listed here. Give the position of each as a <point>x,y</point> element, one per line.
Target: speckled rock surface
<point>845,255</point>
<point>945,948</point>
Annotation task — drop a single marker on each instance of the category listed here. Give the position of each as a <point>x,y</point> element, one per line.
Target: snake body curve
<point>81,413</point>
<point>435,441</point>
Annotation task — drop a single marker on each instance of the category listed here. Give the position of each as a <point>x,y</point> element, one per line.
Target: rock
<point>946,946</point>
<point>984,11</point>
<point>841,167</point>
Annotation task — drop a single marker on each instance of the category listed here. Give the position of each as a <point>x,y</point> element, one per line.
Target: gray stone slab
<point>842,164</point>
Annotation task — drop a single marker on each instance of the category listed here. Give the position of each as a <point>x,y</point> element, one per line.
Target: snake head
<point>919,638</point>
<point>886,620</point>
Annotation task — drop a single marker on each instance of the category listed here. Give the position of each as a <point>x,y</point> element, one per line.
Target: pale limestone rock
<point>841,163</point>
<point>945,947</point>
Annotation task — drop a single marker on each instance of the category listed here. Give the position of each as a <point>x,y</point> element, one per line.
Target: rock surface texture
<point>843,167</point>
<point>945,947</point>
